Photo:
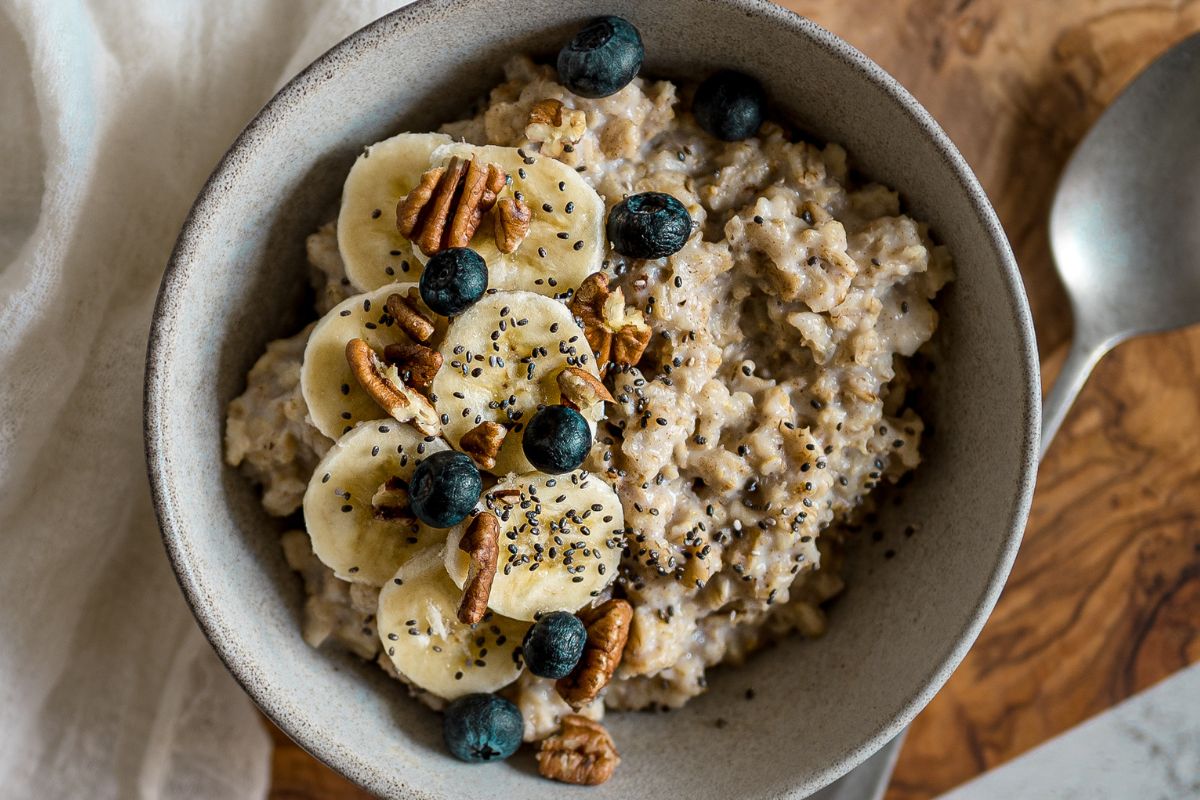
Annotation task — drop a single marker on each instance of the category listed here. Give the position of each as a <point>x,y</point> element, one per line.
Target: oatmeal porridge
<point>718,330</point>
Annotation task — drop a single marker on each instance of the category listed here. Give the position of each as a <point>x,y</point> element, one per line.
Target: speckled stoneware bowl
<point>237,280</point>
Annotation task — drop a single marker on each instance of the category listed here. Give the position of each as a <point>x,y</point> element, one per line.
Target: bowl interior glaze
<point>238,279</point>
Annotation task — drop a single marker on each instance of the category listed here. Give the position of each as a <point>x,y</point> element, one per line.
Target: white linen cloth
<point>112,114</point>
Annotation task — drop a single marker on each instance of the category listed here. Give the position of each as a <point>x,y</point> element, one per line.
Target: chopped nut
<point>582,752</point>
<point>581,389</point>
<point>482,443</point>
<point>411,320</point>
<point>480,542</point>
<point>381,381</point>
<point>546,112</point>
<point>607,631</point>
<point>447,205</point>
<point>632,333</point>
<point>391,501</point>
<point>417,363</point>
<point>512,224</point>
<point>629,344</point>
<point>617,334</point>
<point>555,126</point>
<point>507,496</point>
<point>587,304</point>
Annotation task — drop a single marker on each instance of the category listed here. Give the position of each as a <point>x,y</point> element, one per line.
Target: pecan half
<point>582,752</point>
<point>512,224</point>
<point>482,443</point>
<point>618,334</point>
<point>481,187</point>
<point>411,320</point>
<point>555,126</point>
<point>408,210</point>
<point>418,364</point>
<point>381,380</point>
<point>481,543</point>
<point>581,389</point>
<point>607,632</point>
<point>391,502</point>
<point>448,203</point>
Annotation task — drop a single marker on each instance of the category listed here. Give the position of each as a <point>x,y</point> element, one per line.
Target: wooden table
<point>1104,599</point>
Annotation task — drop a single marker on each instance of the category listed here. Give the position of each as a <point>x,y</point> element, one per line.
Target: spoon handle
<point>1071,378</point>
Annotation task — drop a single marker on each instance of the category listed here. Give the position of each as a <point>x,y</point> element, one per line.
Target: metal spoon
<point>1125,225</point>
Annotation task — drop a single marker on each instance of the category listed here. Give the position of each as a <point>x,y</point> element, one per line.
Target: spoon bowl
<point>1125,223</point>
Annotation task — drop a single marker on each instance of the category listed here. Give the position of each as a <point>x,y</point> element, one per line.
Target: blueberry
<point>444,488</point>
<point>729,105</point>
<point>454,280</point>
<point>557,439</point>
<point>553,645</point>
<point>482,727</point>
<point>602,58</point>
<point>648,225</point>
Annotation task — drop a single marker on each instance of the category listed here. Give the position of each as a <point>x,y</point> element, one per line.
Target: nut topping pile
<point>449,203</point>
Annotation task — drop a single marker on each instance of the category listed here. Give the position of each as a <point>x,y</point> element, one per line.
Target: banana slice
<point>501,361</point>
<point>430,647</point>
<point>336,401</point>
<point>356,505</point>
<point>566,240</point>
<point>561,538</point>
<point>374,251</point>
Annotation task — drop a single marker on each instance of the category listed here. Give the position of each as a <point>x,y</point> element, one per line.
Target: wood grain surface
<point>1104,599</point>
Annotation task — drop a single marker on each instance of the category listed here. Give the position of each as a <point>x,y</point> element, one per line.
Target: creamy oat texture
<point>770,403</point>
<point>267,432</point>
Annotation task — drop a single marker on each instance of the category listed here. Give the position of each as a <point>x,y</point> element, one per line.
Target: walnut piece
<point>629,344</point>
<point>582,752</point>
<point>512,224</point>
<point>581,389</point>
<point>411,320</point>
<point>618,334</point>
<point>391,501</point>
<point>555,126</point>
<point>607,632</point>
<point>418,364</point>
<point>588,304</point>
<point>481,543</point>
<point>482,443</point>
<point>382,382</point>
<point>448,203</point>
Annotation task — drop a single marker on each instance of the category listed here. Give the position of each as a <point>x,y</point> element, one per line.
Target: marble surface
<point>1148,748</point>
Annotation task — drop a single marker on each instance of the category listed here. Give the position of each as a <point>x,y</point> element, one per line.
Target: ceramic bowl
<point>237,279</point>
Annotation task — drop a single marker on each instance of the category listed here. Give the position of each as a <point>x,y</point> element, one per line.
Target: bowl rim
<point>173,526</point>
